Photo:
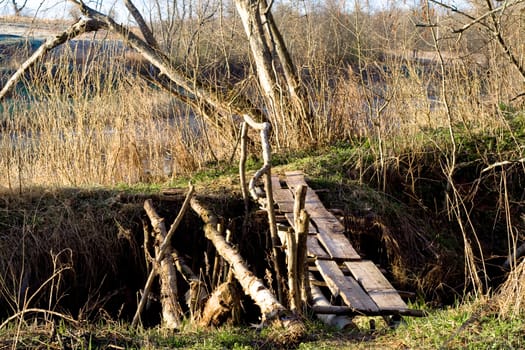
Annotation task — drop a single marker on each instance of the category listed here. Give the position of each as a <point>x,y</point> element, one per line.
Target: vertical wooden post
<point>242,167</point>
<point>297,266</point>
<point>302,263</point>
<point>294,294</point>
<point>277,257</point>
<point>265,171</point>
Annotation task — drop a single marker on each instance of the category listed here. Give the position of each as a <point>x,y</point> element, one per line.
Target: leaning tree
<point>285,104</point>
<point>282,106</point>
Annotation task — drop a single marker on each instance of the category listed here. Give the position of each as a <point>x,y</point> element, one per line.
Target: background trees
<point>320,72</point>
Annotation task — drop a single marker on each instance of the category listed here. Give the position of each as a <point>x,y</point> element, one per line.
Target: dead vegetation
<point>431,189</point>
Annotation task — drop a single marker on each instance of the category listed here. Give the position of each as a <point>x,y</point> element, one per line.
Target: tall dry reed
<point>82,118</point>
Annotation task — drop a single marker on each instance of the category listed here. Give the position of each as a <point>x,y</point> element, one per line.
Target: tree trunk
<point>223,304</point>
<point>171,310</point>
<point>271,308</point>
<point>291,108</point>
<point>162,248</point>
<point>249,12</point>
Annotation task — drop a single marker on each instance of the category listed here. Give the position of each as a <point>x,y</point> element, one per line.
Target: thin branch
<point>194,89</point>
<point>491,12</point>
<point>36,310</point>
<point>452,8</point>
<point>476,20</point>
<point>499,164</point>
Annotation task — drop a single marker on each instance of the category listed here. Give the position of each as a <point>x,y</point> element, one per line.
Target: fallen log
<point>323,311</point>
<point>223,304</point>
<point>165,267</point>
<point>271,309</point>
<point>163,250</point>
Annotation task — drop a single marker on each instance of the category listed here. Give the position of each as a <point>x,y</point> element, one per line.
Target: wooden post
<point>242,167</point>
<point>301,222</point>
<point>303,281</point>
<point>294,292</point>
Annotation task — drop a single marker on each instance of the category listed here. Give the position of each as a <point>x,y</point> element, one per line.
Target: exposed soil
<point>97,238</point>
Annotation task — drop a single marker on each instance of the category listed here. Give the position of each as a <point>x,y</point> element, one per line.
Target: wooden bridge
<point>356,286</point>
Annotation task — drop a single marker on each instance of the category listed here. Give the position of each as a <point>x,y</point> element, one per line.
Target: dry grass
<point>114,127</point>
<point>86,118</point>
<point>87,121</point>
<point>49,247</point>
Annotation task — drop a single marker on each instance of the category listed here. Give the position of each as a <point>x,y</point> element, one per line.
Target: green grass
<point>451,328</point>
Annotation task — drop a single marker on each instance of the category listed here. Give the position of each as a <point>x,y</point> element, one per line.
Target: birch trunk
<point>337,321</point>
<point>290,107</point>
<point>271,308</point>
<point>171,310</point>
<point>249,12</point>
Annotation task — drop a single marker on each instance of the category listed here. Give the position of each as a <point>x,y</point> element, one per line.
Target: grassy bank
<point>419,153</point>
<point>418,245</point>
<point>460,327</point>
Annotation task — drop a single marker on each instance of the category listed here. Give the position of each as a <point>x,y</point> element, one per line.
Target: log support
<point>270,307</point>
<point>298,282</point>
<point>167,261</point>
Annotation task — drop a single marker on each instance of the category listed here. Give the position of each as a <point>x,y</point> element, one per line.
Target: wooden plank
<point>337,245</point>
<point>376,285</point>
<point>315,250</point>
<point>290,219</point>
<point>282,196</point>
<point>346,287</point>
<point>331,231</point>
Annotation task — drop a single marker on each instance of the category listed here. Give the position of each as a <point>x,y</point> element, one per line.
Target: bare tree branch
<point>191,88</point>
<point>144,28</point>
<point>82,26</point>
<point>494,29</point>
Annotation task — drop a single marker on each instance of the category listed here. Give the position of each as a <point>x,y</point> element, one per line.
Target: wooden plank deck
<point>315,250</point>
<point>376,285</point>
<point>331,231</point>
<point>346,287</point>
<point>282,196</point>
<point>364,289</point>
